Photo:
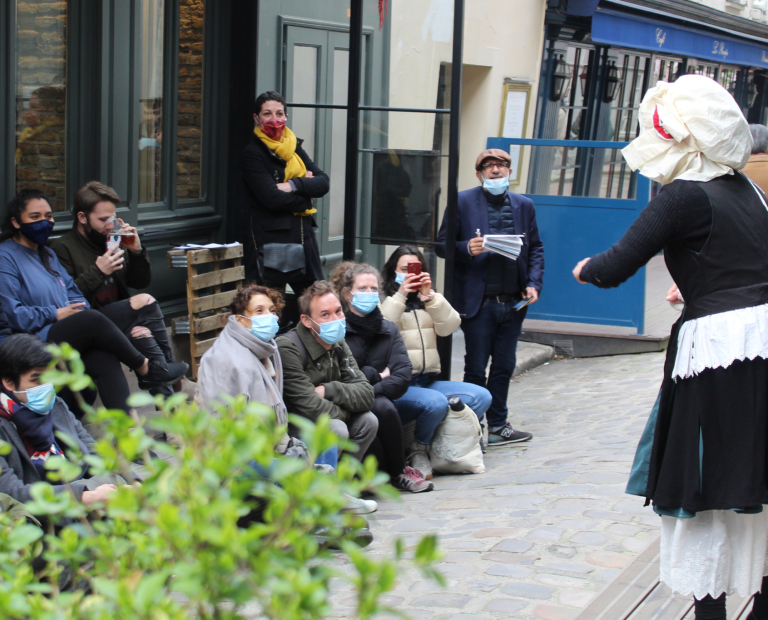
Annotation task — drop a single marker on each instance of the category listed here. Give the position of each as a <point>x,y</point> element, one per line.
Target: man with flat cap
<point>488,286</point>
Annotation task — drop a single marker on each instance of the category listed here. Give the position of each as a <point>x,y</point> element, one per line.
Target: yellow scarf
<point>285,149</point>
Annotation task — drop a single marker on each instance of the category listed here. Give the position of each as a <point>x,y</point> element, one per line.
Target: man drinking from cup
<point>104,256</point>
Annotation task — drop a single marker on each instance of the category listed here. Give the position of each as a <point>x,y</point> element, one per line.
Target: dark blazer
<point>385,350</point>
<point>78,255</point>
<point>271,212</point>
<point>470,272</point>
<point>18,473</point>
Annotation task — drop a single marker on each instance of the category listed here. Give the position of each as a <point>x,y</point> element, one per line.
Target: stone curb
<point>532,355</point>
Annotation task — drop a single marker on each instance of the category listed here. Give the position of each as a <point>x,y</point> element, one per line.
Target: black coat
<point>271,211</point>
<point>385,350</point>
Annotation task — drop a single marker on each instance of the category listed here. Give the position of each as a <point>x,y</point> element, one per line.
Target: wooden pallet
<point>207,272</point>
<point>637,594</point>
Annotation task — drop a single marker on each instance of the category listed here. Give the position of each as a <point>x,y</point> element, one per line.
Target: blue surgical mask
<point>365,302</point>
<point>400,277</point>
<point>40,398</point>
<point>496,186</point>
<point>264,327</point>
<point>332,331</point>
<point>37,232</point>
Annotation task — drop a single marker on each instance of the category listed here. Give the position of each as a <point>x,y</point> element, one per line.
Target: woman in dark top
<point>381,355</point>
<point>702,458</point>
<point>39,297</point>
<point>282,181</point>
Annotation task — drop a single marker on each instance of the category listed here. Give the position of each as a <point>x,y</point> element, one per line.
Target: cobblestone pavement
<point>548,525</point>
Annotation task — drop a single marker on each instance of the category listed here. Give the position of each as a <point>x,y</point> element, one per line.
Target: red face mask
<point>273,128</point>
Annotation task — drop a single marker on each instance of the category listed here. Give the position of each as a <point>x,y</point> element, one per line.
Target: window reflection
<point>190,110</point>
<point>151,102</point>
<point>41,98</point>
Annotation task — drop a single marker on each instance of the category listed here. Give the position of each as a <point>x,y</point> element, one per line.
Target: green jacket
<point>78,255</point>
<point>347,391</point>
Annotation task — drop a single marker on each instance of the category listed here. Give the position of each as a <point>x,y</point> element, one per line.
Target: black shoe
<point>506,434</point>
<point>158,375</point>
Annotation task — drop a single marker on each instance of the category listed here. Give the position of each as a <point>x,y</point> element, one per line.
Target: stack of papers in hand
<point>208,246</point>
<point>506,245</point>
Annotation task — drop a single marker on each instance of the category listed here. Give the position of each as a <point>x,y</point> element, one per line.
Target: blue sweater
<point>29,294</point>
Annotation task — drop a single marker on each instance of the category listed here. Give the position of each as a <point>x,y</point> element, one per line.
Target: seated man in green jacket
<point>104,272</point>
<point>320,374</point>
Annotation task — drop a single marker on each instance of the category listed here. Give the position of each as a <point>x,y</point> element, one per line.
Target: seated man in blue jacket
<point>487,285</point>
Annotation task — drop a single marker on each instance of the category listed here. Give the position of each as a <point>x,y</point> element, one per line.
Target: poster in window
<point>514,118</point>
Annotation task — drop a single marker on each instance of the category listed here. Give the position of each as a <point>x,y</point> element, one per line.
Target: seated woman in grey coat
<point>30,415</point>
<point>244,358</point>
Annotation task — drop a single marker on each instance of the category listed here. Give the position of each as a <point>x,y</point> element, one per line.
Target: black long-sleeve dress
<point>702,457</point>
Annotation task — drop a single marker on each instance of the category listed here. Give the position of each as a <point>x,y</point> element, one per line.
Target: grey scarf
<point>256,372</point>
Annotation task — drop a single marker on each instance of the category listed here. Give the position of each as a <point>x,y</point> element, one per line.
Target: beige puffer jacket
<point>420,329</point>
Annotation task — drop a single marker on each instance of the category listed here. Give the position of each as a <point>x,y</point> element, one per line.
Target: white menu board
<point>513,122</point>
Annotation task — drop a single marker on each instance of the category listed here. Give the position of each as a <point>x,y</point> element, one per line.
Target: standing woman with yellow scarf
<point>281,182</point>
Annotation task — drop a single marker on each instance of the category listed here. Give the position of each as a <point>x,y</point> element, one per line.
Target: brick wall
<point>190,123</point>
<point>40,97</point>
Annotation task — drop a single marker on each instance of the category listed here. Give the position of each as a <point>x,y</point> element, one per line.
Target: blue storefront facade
<point>599,58</point>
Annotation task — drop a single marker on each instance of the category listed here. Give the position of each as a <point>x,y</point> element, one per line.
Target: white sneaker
<point>420,461</point>
<point>359,506</point>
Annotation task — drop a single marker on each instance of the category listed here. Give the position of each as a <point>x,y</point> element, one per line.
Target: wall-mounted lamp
<point>560,79</point>
<point>612,81</point>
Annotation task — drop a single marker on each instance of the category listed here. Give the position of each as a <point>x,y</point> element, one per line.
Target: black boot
<point>165,374</point>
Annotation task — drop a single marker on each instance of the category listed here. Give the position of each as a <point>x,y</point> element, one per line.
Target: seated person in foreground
<point>321,375</point>
<point>30,415</point>
<point>103,273</point>
<point>39,297</point>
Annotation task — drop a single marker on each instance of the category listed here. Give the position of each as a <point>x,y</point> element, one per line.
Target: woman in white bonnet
<point>702,459</point>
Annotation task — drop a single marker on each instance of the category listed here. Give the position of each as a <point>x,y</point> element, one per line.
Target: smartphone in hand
<point>414,268</point>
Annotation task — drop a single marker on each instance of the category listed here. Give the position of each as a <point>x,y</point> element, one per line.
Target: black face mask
<point>100,239</point>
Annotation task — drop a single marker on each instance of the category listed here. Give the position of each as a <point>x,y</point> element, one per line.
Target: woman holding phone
<point>421,314</point>
<point>39,297</point>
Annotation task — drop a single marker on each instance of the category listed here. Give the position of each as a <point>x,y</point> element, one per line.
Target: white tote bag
<point>455,448</point>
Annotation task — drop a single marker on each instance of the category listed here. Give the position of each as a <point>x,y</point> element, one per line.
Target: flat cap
<point>492,153</point>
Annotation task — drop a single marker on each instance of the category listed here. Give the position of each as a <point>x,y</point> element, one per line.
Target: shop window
<point>667,69</point>
<point>155,104</point>
<point>570,118</point>
<point>151,102</point>
<point>190,110</point>
<point>617,179</point>
<point>41,35</point>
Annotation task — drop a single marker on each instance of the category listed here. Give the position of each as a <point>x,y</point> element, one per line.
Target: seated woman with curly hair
<point>244,358</point>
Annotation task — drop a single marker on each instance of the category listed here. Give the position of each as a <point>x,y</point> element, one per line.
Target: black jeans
<point>387,447</point>
<point>493,334</point>
<point>102,347</point>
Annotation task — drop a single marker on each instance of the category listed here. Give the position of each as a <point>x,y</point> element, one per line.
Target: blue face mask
<point>264,327</point>
<point>496,186</point>
<point>37,232</point>
<point>400,277</point>
<point>332,331</point>
<point>40,398</point>
<point>365,302</point>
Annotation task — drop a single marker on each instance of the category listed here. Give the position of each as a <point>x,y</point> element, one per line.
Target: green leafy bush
<point>171,548</point>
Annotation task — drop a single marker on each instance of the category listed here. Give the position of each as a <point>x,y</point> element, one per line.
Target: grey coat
<point>18,473</point>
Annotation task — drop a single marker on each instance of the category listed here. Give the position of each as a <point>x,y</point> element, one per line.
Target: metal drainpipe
<point>445,345</point>
<point>353,128</point>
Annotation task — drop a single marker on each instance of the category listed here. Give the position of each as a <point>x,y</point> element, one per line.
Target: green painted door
<point>316,66</point>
